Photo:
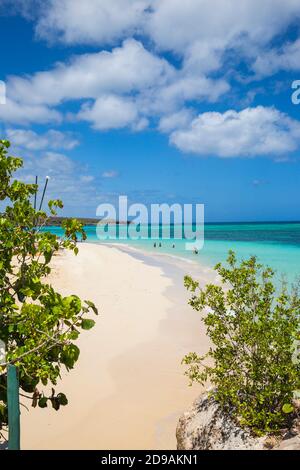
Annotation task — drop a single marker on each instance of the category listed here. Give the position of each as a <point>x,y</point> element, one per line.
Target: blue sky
<point>163,101</point>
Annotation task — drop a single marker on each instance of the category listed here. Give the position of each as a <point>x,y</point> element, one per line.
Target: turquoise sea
<point>276,244</point>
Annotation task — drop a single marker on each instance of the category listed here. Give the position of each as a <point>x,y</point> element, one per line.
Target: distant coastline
<point>57,221</point>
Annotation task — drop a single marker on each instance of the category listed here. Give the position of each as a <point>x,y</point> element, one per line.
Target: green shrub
<point>38,325</point>
<point>253,363</point>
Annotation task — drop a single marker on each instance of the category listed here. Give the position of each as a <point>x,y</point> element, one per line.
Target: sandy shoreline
<point>128,388</point>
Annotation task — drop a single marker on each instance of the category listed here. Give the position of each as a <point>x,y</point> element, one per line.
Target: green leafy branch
<point>38,325</point>
<point>253,362</point>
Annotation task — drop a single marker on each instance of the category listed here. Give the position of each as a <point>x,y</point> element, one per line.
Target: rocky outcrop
<point>291,443</point>
<point>207,427</point>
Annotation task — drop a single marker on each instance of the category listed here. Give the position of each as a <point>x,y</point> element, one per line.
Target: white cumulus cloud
<point>110,112</point>
<point>251,132</point>
<point>127,68</point>
<point>91,21</point>
<point>19,112</point>
<point>51,139</point>
<point>133,83</point>
<point>128,86</point>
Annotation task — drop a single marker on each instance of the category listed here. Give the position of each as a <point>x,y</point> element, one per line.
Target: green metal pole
<point>13,406</point>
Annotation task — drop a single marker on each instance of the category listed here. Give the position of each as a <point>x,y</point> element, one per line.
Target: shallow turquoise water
<point>275,244</point>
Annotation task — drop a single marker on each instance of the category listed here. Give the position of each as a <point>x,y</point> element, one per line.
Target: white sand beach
<point>128,388</point>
